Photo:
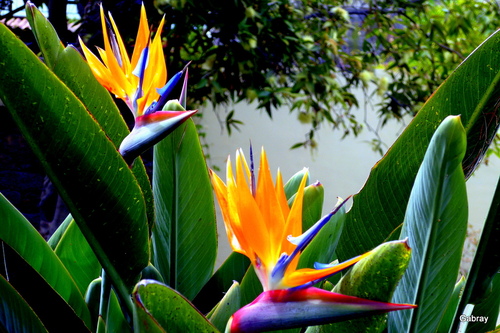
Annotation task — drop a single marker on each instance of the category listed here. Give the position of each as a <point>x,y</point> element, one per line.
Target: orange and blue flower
<point>261,225</point>
<point>140,82</point>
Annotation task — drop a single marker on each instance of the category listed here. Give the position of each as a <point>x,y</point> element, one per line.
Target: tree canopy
<point>310,55</point>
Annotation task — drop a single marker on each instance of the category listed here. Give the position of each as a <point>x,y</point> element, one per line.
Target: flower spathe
<point>139,81</point>
<point>285,308</point>
<point>261,225</point>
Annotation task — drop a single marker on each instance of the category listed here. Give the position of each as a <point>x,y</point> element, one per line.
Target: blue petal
<point>165,92</point>
<point>139,71</point>
<point>302,241</point>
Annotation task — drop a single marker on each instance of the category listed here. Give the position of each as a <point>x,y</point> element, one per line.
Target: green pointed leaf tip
<point>45,34</point>
<point>312,204</point>
<point>374,277</point>
<point>451,309</point>
<point>435,224</point>
<point>233,269</point>
<point>229,304</point>
<point>292,185</point>
<point>170,310</point>
<point>77,256</point>
<point>95,182</point>
<point>322,247</point>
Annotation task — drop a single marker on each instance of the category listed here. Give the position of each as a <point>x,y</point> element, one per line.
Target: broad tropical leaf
<point>185,235</point>
<point>35,270</point>
<point>78,257</point>
<point>435,225</point>
<point>97,185</point>
<point>472,91</point>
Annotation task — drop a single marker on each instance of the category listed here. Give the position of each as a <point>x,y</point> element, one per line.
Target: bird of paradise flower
<point>261,225</point>
<point>139,82</point>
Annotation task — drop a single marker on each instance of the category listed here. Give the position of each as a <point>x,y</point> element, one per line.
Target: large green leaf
<point>472,91</point>
<point>78,257</point>
<point>33,266</point>
<point>15,314</point>
<point>185,233</point>
<point>159,308</point>
<point>73,70</point>
<point>435,225</point>
<point>97,185</point>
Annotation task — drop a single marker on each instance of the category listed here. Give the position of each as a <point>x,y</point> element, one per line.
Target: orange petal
<point>123,52</point>
<point>112,62</point>
<point>101,72</point>
<point>142,38</point>
<point>270,207</point>
<point>253,224</point>
<point>221,194</point>
<point>305,275</point>
<point>293,224</point>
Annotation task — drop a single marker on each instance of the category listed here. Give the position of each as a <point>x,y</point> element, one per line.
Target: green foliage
<point>158,308</point>
<point>166,231</point>
<point>470,91</point>
<point>436,225</point>
<point>313,56</point>
<point>185,225</point>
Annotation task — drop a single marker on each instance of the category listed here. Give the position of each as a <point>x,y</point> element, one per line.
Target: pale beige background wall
<point>342,166</point>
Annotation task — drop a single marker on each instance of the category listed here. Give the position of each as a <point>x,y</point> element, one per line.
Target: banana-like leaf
<point>15,314</point>
<point>73,70</point>
<point>312,204</point>
<point>228,305</point>
<point>97,185</point>
<point>472,91</point>
<point>57,235</point>
<point>159,308</point>
<point>435,225</point>
<point>33,266</point>
<point>185,233</point>
<point>78,257</point>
